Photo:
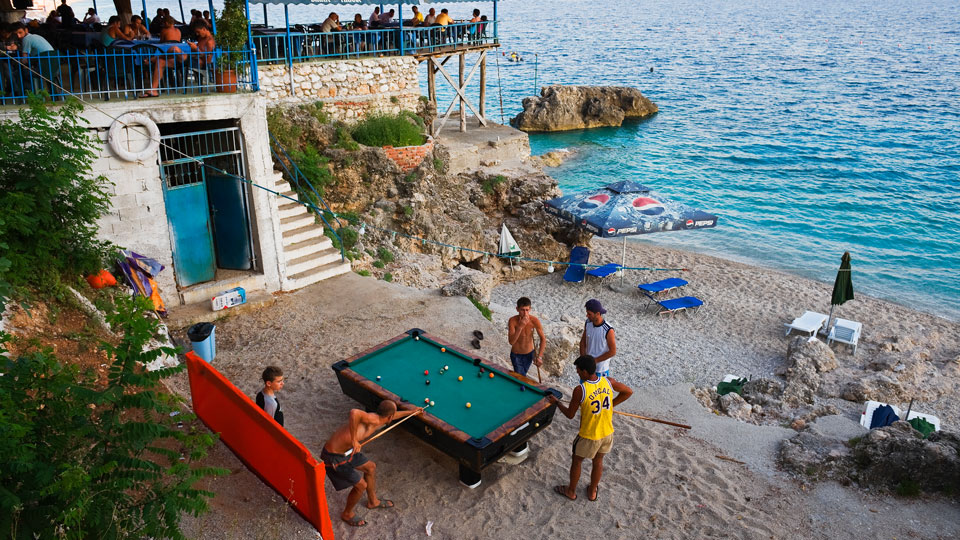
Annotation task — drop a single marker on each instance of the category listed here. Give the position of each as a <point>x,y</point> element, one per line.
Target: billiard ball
<point>522,388</point>
<point>431,404</point>
<point>426,400</point>
<point>446,368</point>
<point>491,374</point>
<point>460,378</point>
<point>378,377</point>
<point>416,338</point>
<point>443,349</point>
<point>428,381</point>
<point>468,405</point>
<point>426,372</point>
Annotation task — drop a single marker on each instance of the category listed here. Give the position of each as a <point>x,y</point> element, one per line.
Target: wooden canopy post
<point>432,93</point>
<point>463,110</point>
<point>483,87</point>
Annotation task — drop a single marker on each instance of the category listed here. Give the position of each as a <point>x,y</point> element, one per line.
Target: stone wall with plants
<point>349,89</point>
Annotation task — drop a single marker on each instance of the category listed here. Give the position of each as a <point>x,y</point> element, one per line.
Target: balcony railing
<point>127,71</point>
<point>275,46</point>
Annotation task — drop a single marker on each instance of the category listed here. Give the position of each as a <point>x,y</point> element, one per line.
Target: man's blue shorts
<point>521,362</point>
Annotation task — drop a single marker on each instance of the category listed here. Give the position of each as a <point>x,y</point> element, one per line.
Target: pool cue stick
<point>684,426</point>
<point>402,420</point>
<point>539,379</point>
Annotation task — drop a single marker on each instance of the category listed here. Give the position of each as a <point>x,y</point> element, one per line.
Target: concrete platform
<point>190,314</point>
<point>494,149</point>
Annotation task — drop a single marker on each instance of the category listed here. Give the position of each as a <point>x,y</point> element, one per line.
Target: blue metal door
<point>187,212</point>
<point>230,224</point>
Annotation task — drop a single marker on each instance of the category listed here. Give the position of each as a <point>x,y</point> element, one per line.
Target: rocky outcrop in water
<point>561,108</point>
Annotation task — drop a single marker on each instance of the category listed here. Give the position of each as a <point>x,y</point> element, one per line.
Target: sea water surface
<point>810,127</point>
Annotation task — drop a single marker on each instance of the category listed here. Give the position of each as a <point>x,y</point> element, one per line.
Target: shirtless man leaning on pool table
<point>346,466</point>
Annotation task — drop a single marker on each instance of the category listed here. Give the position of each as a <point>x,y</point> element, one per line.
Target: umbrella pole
<point>829,319</point>
<point>623,260</point>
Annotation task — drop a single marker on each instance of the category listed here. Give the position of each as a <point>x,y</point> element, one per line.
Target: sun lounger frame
<point>808,317</point>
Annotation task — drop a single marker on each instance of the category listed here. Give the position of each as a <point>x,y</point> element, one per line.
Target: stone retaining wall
<point>409,157</point>
<point>349,89</point>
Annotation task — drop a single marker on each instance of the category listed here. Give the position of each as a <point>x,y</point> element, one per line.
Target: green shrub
<point>378,264</point>
<point>313,165</point>
<point>908,488</point>
<point>484,310</point>
<point>87,459</point>
<point>348,236</point>
<point>385,255</point>
<point>491,183</point>
<point>394,99</point>
<point>438,164</point>
<point>315,110</point>
<point>408,211</point>
<point>413,117</point>
<point>411,177</point>
<point>388,277</point>
<point>387,130</point>
<point>345,140</point>
<point>364,273</point>
<point>49,200</point>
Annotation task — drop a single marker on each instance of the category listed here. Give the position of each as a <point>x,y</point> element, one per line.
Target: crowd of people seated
<point>473,28</point>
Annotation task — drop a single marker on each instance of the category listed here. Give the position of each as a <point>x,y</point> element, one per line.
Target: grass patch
<point>395,100</point>
<point>378,264</point>
<point>385,255</point>
<point>438,164</point>
<point>908,488</point>
<point>484,310</point>
<point>408,211</point>
<point>345,140</point>
<point>364,273</point>
<point>491,183</point>
<point>388,130</point>
<point>412,177</point>
<point>388,277</point>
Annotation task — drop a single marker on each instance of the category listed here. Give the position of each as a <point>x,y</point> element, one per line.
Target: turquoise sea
<point>810,127</point>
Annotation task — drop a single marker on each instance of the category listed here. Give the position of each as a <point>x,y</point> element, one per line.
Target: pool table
<point>504,411</point>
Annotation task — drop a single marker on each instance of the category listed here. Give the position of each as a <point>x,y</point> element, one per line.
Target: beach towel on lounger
<point>735,385</point>
<point>921,425</point>
<point>883,416</point>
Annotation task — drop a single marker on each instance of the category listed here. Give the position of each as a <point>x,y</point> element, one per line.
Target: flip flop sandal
<point>478,334</point>
<point>475,343</point>
<point>384,503</point>
<point>355,521</point>
<point>595,495</point>
<point>562,490</point>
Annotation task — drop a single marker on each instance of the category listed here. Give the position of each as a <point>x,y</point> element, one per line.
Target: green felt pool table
<point>504,411</point>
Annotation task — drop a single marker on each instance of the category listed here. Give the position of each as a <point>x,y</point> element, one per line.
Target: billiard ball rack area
<point>472,452</point>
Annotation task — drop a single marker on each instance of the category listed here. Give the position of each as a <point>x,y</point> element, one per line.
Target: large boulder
<point>469,282</point>
<point>898,457</point>
<point>563,346</point>
<point>561,108</point>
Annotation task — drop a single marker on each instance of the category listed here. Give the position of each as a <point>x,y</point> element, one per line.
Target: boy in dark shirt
<point>266,398</point>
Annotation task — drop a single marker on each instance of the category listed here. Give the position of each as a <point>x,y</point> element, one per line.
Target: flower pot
<point>226,81</point>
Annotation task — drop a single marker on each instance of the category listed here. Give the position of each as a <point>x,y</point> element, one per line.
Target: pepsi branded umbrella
<point>627,208</point>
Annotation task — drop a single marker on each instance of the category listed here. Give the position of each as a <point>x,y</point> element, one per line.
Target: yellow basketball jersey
<point>596,409</point>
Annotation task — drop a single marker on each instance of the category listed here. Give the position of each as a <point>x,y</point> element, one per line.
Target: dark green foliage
<point>411,177</point>
<point>363,272</point>
<point>484,310</point>
<point>908,488</point>
<point>408,211</point>
<point>313,165</point>
<point>395,100</point>
<point>345,140</point>
<point>231,34</point>
<point>385,255</point>
<point>491,183</point>
<point>438,165</point>
<point>388,130</point>
<point>82,460</point>
<point>316,110</point>
<point>348,236</point>
<point>388,277</point>
<point>413,117</point>
<point>49,201</point>
<point>378,264</point>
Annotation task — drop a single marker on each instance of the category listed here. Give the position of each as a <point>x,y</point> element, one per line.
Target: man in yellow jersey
<point>595,400</point>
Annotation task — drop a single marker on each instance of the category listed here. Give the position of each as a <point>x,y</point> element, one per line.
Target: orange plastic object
<point>101,279</point>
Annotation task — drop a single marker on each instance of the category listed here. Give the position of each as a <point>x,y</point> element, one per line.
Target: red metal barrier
<point>274,455</point>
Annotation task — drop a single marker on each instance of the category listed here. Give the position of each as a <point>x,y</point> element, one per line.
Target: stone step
<point>282,186</point>
<point>295,222</point>
<point>303,233</point>
<point>302,249</point>
<point>203,292</point>
<point>290,208</point>
<point>309,277</point>
<point>314,260</point>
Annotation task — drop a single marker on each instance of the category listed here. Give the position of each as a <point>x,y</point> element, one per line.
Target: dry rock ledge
<point>561,108</point>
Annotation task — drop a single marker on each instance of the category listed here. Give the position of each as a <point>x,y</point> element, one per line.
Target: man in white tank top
<point>598,339</point>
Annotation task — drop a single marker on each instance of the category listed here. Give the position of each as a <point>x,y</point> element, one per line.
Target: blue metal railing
<point>273,46</point>
<point>302,184</point>
<point>128,71</point>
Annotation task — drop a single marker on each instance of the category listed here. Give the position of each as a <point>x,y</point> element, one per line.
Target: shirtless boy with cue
<point>346,466</point>
<point>520,329</point>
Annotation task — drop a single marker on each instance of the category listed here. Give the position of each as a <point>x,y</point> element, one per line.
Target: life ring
<point>131,119</point>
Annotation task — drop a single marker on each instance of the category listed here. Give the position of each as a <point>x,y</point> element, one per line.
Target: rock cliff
<point>562,108</point>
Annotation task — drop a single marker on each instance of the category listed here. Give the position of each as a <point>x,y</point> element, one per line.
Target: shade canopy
<point>336,2</point>
<point>843,286</point>
<point>627,208</point>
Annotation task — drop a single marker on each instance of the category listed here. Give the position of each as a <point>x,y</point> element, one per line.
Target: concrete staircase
<point>310,256</point>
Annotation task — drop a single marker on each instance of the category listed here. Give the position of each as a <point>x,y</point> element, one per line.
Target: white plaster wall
<point>349,89</point>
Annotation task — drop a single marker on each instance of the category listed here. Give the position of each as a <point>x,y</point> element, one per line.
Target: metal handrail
<point>296,177</point>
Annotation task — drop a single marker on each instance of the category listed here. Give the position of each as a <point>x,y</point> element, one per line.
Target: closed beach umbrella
<point>627,208</point>
<point>842,287</point>
<point>508,246</point>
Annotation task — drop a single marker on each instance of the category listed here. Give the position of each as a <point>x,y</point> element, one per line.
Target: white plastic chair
<point>808,323</point>
<point>845,331</point>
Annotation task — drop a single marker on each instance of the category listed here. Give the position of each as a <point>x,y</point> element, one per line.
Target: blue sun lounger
<point>676,305</point>
<point>579,256</point>
<point>664,285</point>
<point>604,271</point>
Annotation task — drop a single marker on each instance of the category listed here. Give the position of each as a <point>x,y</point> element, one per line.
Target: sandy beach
<point>659,481</point>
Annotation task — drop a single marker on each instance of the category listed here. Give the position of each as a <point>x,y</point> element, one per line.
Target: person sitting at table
<point>53,20</point>
<point>206,18</point>
<point>374,20</point>
<point>331,23</point>
<point>195,17</point>
<point>156,25</point>
<point>172,54</point>
<point>170,33</point>
<point>416,19</point>
<point>431,18</point>
<point>91,17</point>
<point>30,44</point>
<point>137,28</point>
<point>386,19</point>
<point>444,18</point>
<point>205,44</point>
<point>67,17</point>
<point>114,31</point>
<point>167,15</point>
<point>359,23</point>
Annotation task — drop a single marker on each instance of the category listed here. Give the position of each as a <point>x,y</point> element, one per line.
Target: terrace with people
<point>131,56</point>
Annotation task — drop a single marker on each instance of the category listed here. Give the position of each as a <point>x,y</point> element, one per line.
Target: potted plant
<point>231,38</point>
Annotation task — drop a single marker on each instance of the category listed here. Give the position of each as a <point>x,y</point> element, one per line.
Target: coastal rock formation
<point>560,108</point>
<point>563,346</point>
<point>469,282</point>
